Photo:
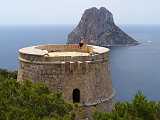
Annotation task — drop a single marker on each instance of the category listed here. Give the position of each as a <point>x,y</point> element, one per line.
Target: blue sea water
<point>133,68</point>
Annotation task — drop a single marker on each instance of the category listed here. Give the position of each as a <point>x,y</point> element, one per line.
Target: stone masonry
<point>89,74</point>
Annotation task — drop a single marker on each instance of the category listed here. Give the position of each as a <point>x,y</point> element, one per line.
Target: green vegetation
<point>140,108</point>
<point>27,101</point>
<point>5,74</point>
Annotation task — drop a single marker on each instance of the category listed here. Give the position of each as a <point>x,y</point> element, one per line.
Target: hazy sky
<point>70,11</point>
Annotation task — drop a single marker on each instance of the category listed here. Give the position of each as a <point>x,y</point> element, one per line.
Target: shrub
<point>140,108</point>
<point>27,101</point>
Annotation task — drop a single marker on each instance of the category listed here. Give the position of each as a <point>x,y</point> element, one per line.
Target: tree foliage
<point>140,108</point>
<point>5,74</point>
<point>28,101</point>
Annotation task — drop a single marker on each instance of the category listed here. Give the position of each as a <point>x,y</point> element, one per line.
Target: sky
<point>20,12</point>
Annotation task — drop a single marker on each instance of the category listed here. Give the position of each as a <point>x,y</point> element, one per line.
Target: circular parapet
<point>59,53</point>
<point>81,74</point>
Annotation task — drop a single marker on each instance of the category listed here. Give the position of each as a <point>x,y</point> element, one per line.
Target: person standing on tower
<point>81,43</point>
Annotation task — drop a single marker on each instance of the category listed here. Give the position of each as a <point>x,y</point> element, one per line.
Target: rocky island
<point>97,27</point>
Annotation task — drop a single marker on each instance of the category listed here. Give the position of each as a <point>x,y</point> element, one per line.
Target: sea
<point>133,68</point>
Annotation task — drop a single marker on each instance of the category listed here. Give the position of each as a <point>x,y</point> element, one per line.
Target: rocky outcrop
<point>97,27</point>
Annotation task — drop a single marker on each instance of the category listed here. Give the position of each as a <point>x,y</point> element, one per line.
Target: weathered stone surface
<point>89,74</point>
<point>97,27</point>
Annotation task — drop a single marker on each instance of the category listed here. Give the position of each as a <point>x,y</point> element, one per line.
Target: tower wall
<point>89,74</point>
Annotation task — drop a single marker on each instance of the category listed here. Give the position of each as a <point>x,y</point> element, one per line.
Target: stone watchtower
<point>81,74</point>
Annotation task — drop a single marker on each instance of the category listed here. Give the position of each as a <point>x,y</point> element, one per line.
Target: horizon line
<point>127,24</point>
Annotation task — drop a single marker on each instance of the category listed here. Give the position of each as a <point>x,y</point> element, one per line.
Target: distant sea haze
<point>133,68</point>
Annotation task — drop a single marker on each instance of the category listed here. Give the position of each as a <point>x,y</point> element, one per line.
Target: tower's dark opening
<point>76,95</point>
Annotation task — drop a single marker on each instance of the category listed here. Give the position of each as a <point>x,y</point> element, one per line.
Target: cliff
<point>97,27</point>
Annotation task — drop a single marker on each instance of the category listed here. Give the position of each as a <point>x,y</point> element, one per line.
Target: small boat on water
<point>149,41</point>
